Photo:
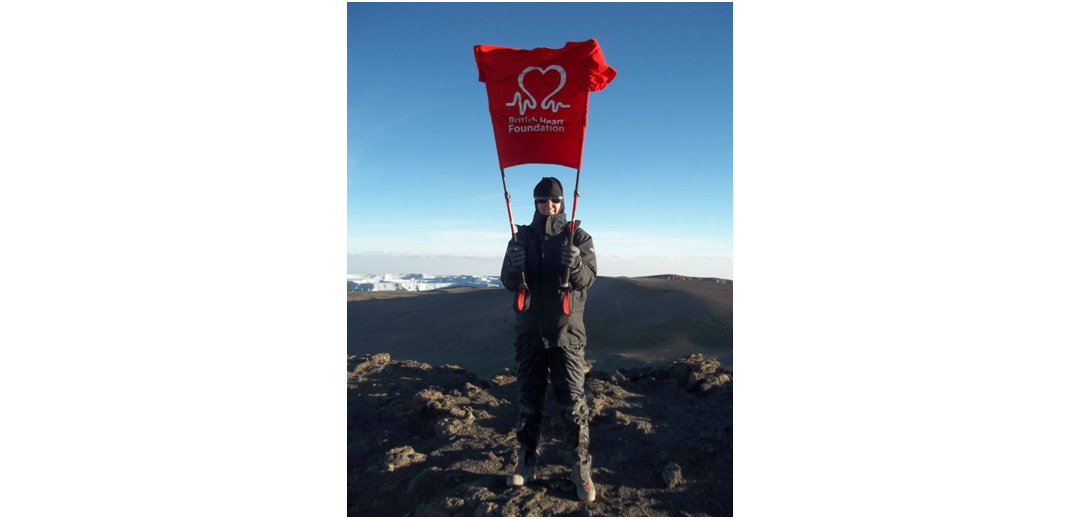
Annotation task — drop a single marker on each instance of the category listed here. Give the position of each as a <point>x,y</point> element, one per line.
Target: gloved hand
<point>571,256</point>
<point>516,255</point>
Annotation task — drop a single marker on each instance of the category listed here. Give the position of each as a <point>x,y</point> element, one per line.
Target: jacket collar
<point>550,225</point>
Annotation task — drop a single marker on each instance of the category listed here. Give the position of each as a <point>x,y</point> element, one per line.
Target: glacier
<point>417,282</point>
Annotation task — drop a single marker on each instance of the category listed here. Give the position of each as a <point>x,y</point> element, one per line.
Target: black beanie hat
<point>548,187</point>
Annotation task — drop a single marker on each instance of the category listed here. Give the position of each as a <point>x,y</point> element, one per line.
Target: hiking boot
<point>525,470</point>
<point>583,482</point>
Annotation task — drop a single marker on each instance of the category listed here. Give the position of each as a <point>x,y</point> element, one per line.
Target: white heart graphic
<point>546,104</point>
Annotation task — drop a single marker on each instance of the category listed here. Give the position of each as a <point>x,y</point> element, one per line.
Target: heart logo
<point>547,103</point>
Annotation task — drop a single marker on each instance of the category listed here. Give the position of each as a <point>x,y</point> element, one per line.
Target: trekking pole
<point>566,278</point>
<point>520,301</point>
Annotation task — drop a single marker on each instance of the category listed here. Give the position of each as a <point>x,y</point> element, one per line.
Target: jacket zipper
<point>543,322</point>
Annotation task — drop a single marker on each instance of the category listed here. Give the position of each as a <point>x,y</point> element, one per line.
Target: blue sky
<point>424,191</point>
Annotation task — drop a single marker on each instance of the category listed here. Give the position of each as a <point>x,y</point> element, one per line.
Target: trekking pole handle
<point>566,278</point>
<point>570,241</point>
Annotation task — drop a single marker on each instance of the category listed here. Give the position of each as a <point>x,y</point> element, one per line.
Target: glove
<point>571,256</point>
<point>515,254</point>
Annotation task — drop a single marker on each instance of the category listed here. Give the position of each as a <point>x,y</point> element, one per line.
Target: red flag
<point>539,98</point>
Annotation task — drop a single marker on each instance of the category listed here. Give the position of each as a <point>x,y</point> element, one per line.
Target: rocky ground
<point>439,441</point>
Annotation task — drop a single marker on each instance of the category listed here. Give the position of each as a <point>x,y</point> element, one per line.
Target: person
<point>547,338</point>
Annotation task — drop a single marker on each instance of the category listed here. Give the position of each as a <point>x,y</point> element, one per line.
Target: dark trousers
<point>567,368</point>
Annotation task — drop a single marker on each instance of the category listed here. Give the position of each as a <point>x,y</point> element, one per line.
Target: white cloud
<point>374,262</point>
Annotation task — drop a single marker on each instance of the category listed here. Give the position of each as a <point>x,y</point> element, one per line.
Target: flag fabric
<point>539,99</point>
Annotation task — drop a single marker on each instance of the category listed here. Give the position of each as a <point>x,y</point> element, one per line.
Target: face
<point>549,206</point>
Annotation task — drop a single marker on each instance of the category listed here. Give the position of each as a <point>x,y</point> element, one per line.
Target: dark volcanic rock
<point>439,441</point>
<point>672,475</point>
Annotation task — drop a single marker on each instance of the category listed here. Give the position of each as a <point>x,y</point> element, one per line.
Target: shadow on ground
<point>438,441</point>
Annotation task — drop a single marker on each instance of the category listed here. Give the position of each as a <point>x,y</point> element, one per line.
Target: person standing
<point>549,340</point>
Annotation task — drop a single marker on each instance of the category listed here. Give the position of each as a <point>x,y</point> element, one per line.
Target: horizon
<point>428,275</point>
<point>424,188</point>
<point>448,265</point>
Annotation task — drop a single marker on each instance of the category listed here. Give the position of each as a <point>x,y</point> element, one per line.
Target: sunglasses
<point>544,199</point>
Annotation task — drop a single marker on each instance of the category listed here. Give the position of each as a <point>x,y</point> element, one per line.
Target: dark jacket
<point>543,322</point>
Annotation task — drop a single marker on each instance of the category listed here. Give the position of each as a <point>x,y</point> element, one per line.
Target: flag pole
<point>573,215</point>
<point>513,231</point>
<point>523,289</point>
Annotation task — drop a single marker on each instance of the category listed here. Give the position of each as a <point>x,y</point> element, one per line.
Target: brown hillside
<point>630,322</point>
